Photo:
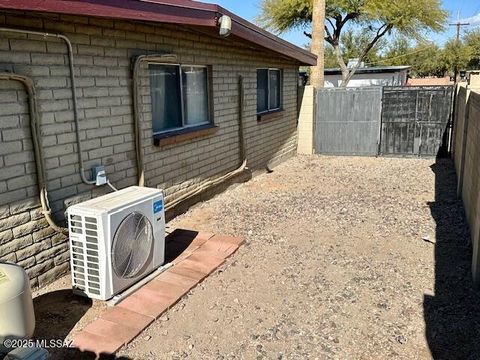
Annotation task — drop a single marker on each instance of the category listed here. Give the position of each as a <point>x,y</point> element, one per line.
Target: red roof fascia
<point>119,9</point>
<point>167,11</point>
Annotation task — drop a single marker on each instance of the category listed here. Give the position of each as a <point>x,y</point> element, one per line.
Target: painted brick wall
<point>103,50</point>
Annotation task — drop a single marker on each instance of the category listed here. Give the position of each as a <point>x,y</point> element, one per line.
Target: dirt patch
<point>337,265</point>
<point>343,260</point>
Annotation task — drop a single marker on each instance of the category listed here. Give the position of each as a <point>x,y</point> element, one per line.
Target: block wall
<point>467,162</point>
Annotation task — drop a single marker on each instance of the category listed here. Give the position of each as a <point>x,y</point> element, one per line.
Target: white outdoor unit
<point>116,240</point>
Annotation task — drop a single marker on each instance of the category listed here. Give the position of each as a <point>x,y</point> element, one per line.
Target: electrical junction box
<point>99,175</point>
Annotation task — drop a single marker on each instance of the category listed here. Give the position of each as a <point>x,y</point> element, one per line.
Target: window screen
<point>269,90</point>
<point>274,93</point>
<point>195,95</point>
<point>262,90</point>
<point>179,96</point>
<point>166,101</point>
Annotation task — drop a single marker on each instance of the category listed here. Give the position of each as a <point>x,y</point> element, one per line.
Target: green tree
<point>426,59</point>
<point>472,41</point>
<point>398,52</point>
<point>351,45</point>
<point>330,58</point>
<point>376,17</point>
<point>455,55</point>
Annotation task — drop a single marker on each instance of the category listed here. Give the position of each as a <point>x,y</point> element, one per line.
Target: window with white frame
<point>180,96</point>
<point>269,90</point>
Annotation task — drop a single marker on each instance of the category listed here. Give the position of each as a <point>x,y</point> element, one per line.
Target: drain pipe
<point>158,58</point>
<point>37,149</point>
<point>205,186</point>
<point>73,87</point>
<point>241,137</point>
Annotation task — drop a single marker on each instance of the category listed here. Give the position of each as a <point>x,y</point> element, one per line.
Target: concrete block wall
<point>103,50</point>
<point>467,162</point>
<point>306,123</point>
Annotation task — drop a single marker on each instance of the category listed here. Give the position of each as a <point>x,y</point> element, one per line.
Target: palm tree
<point>317,46</point>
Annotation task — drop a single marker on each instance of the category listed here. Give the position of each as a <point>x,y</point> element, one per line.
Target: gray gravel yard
<point>346,258</point>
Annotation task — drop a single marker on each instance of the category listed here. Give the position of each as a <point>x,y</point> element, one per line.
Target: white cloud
<point>474,20</point>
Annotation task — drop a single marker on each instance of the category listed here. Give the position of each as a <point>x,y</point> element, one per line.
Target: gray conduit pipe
<point>73,86</point>
<point>157,58</point>
<point>37,148</point>
<point>241,144</point>
<point>171,58</point>
<point>241,136</point>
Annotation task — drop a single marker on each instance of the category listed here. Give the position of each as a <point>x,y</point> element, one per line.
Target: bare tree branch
<point>328,38</point>
<point>382,30</point>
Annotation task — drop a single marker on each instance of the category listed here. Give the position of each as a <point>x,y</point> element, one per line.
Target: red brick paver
<point>86,341</point>
<point>194,255</point>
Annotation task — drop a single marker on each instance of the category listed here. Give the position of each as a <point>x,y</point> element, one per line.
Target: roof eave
<point>166,11</point>
<point>253,33</point>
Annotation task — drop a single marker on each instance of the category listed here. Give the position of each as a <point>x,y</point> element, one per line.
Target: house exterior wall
<point>102,54</point>
<point>398,78</point>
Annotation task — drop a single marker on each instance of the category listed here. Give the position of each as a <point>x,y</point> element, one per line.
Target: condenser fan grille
<point>132,245</point>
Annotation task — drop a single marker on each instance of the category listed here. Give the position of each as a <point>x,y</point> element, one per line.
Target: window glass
<point>195,95</point>
<point>274,89</point>
<point>262,90</point>
<point>166,98</point>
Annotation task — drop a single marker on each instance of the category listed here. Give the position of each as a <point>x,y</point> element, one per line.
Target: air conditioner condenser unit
<point>116,240</point>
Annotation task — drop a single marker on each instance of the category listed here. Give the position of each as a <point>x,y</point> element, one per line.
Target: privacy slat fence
<point>348,121</point>
<point>415,120</point>
<point>373,121</point>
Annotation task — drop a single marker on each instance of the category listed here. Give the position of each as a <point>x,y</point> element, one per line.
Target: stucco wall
<point>103,50</point>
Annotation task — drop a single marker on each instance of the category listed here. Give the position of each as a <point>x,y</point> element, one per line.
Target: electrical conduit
<point>158,58</point>
<point>73,87</point>
<point>138,144</point>
<point>37,149</point>
<point>242,152</point>
<point>170,58</point>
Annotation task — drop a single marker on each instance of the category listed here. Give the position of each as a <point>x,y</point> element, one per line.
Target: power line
<point>458,25</point>
<point>397,57</point>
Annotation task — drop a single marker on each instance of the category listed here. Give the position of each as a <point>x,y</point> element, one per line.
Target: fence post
<point>306,122</point>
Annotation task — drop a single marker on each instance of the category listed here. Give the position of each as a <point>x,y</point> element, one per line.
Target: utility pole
<point>458,25</point>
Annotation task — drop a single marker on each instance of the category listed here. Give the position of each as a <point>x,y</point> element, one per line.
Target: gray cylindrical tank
<point>17,318</point>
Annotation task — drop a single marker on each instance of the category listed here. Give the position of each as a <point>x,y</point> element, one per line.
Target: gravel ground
<point>346,258</point>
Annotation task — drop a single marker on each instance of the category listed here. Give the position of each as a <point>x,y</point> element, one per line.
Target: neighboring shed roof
<point>166,11</point>
<point>371,70</point>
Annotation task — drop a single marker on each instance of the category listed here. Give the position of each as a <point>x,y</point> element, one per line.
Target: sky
<point>469,10</point>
